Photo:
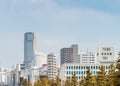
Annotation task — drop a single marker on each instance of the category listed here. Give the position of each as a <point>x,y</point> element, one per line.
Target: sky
<point>57,24</point>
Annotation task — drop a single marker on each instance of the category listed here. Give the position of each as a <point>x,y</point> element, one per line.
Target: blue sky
<point>57,24</point>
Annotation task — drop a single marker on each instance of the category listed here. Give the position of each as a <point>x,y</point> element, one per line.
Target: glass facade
<point>29,47</point>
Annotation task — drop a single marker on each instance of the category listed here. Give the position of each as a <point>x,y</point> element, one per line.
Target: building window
<point>91,67</point>
<point>84,72</point>
<point>84,67</point>
<point>71,67</point>
<point>67,67</point>
<point>76,67</point>
<point>72,72</point>
<point>101,53</point>
<point>69,72</point>
<point>96,67</point>
<point>104,53</point>
<point>79,72</point>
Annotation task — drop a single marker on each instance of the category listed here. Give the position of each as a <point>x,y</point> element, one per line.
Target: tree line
<point>102,78</point>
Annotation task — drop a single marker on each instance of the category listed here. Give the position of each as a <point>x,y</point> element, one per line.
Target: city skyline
<point>57,24</point>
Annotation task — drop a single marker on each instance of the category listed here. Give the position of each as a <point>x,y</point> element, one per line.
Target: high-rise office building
<point>52,66</point>
<point>29,47</point>
<point>69,55</point>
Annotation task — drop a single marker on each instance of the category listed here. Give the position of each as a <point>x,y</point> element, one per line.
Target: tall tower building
<point>52,66</point>
<point>69,55</point>
<point>75,52</point>
<point>29,47</point>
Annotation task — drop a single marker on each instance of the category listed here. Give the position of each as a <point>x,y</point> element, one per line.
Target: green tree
<point>81,83</point>
<point>25,82</point>
<point>21,80</point>
<point>111,76</point>
<point>117,74</point>
<point>44,82</point>
<point>88,80</point>
<point>74,81</point>
<point>68,81</point>
<point>52,82</point>
<point>58,81</point>
<point>43,76</point>
<point>101,77</point>
<point>38,83</point>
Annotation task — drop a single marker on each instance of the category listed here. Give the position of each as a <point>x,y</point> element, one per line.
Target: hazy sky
<point>57,24</point>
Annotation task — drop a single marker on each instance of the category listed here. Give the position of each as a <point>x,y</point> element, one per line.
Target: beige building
<point>105,54</point>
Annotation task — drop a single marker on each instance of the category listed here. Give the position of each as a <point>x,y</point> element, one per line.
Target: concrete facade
<point>52,66</point>
<point>69,55</point>
<point>105,54</point>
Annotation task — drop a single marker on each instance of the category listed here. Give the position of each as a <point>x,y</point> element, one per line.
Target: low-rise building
<point>67,70</point>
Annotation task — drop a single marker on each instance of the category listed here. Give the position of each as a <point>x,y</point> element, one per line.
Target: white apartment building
<point>3,77</point>
<point>35,73</point>
<point>105,54</point>
<point>67,70</point>
<point>40,59</point>
<point>87,57</point>
<point>52,66</point>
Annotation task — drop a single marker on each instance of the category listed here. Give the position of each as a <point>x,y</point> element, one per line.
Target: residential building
<point>3,77</point>
<point>78,58</point>
<point>52,66</point>
<point>69,55</point>
<point>87,57</point>
<point>75,52</point>
<point>29,48</point>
